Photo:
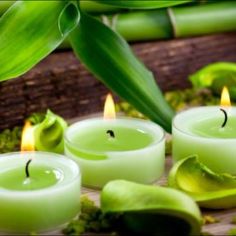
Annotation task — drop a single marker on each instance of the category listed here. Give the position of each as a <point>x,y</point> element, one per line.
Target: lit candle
<point>39,191</point>
<point>109,148</point>
<point>209,132</point>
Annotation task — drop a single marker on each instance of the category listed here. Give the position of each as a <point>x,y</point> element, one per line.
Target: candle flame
<point>109,108</point>
<point>27,139</point>
<point>225,98</point>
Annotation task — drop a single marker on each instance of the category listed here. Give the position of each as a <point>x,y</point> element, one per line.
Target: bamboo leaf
<point>4,5</point>
<point>109,57</point>
<point>30,30</point>
<point>88,6</point>
<point>144,4</point>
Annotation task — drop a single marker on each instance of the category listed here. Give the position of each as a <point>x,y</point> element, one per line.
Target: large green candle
<point>199,131</point>
<point>45,200</point>
<point>122,148</point>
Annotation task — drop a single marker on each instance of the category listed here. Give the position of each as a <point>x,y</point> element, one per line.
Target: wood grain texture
<point>62,84</point>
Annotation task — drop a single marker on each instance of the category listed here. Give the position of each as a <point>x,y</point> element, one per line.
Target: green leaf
<point>208,189</point>
<point>36,118</point>
<point>206,76</point>
<point>166,210</point>
<point>4,5</point>
<point>49,134</point>
<point>110,58</point>
<point>215,76</point>
<point>144,4</point>
<point>30,30</point>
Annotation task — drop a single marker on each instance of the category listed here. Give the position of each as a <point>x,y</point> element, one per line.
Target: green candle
<point>45,200</point>
<point>99,140</point>
<point>199,131</point>
<point>211,128</point>
<point>122,148</point>
<point>40,177</point>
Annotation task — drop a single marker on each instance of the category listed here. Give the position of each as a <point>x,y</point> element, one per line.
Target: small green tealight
<point>122,148</point>
<point>209,133</point>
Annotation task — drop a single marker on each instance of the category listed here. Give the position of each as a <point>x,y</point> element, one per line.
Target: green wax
<point>126,139</point>
<point>211,128</point>
<point>40,177</point>
<point>135,153</point>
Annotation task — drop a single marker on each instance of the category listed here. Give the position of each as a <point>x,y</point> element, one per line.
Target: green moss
<point>182,99</point>
<point>178,99</point>
<point>208,219</point>
<point>129,110</point>
<point>10,140</point>
<point>91,219</point>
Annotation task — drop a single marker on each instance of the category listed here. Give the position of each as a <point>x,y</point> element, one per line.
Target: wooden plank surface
<point>224,216</point>
<point>60,82</point>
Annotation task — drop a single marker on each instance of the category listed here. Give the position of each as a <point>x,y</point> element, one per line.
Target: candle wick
<point>111,133</point>
<point>226,118</point>
<point>27,168</point>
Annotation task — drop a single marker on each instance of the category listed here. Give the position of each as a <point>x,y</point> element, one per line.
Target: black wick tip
<point>27,168</point>
<point>226,118</point>
<point>111,133</point>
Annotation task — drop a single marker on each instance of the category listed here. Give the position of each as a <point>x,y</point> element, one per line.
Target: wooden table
<point>224,216</point>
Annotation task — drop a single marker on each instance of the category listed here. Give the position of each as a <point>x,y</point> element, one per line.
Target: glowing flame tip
<point>27,140</point>
<point>109,108</point>
<point>225,98</point>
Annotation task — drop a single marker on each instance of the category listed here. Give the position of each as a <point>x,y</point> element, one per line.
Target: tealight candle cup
<point>199,131</point>
<point>105,150</point>
<point>46,200</point>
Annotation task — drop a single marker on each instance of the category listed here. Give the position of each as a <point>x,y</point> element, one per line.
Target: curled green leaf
<point>30,30</point>
<point>110,58</point>
<point>68,18</point>
<point>208,189</point>
<point>168,211</point>
<point>215,76</point>
<point>49,134</point>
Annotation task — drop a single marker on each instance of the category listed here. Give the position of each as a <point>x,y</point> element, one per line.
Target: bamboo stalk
<point>203,19</point>
<point>143,25</point>
<point>175,22</point>
<point>162,23</point>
